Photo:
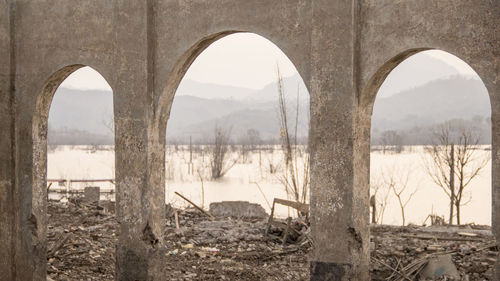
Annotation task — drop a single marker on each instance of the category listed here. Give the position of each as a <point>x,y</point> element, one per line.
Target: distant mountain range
<point>269,92</point>
<point>416,71</point>
<point>79,117</point>
<point>435,102</point>
<point>199,107</point>
<point>197,116</point>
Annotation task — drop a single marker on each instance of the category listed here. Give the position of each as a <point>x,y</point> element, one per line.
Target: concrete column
<point>339,207</point>
<point>495,173</point>
<point>6,148</point>
<point>140,202</point>
<point>140,206</point>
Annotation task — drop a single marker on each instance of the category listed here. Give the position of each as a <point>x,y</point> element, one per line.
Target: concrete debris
<point>82,237</point>
<point>81,241</point>
<point>403,253</point>
<point>91,194</point>
<point>441,265</point>
<point>237,209</point>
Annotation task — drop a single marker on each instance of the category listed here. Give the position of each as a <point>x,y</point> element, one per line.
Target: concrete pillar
<point>339,207</point>
<point>140,202</point>
<point>6,148</point>
<point>495,173</point>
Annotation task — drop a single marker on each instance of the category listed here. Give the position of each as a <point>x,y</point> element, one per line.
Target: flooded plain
<point>256,176</point>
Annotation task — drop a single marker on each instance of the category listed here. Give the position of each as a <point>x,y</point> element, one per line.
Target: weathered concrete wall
<point>343,50</point>
<point>391,31</point>
<point>54,39</point>
<point>176,42</point>
<point>51,37</point>
<point>463,28</point>
<point>179,41</point>
<point>6,146</point>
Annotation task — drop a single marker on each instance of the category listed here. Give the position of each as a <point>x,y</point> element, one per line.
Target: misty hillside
<point>81,110</point>
<point>189,110</point>
<point>415,71</point>
<point>262,117</point>
<point>269,92</point>
<point>211,91</point>
<point>423,106</point>
<point>435,102</point>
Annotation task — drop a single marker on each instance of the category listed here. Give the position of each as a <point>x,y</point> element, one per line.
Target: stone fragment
<point>441,265</point>
<point>237,209</point>
<point>91,194</point>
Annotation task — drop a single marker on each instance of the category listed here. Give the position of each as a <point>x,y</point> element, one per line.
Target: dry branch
<point>196,206</point>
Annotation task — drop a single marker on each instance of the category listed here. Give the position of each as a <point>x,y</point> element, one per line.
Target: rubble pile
<point>229,249</point>
<point>81,239</point>
<point>405,252</point>
<point>298,231</point>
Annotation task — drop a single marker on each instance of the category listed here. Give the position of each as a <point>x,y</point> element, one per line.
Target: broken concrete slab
<point>237,209</point>
<point>441,265</point>
<point>91,194</point>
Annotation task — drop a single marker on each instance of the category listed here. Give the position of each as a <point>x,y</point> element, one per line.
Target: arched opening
<point>73,175</point>
<point>228,139</point>
<point>430,157</point>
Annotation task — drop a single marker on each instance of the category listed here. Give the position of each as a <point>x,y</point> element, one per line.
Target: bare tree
<point>253,138</point>
<point>220,162</point>
<point>397,181</point>
<point>392,141</point>
<point>295,178</point>
<point>378,201</point>
<point>453,166</point>
<point>248,143</point>
<point>202,190</point>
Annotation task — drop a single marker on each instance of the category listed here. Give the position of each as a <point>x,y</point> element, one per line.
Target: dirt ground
<point>81,247</point>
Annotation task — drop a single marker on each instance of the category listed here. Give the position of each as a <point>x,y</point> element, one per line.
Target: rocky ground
<point>81,247</point>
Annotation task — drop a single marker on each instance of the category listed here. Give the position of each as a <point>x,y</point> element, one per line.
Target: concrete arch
<point>362,133</point>
<point>180,68</point>
<point>370,89</point>
<point>369,92</point>
<point>338,47</point>
<point>157,122</point>
<point>38,217</point>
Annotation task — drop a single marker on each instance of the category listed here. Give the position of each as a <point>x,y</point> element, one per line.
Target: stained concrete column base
<point>496,273</point>
<point>329,271</point>
<point>143,264</point>
<point>40,262</point>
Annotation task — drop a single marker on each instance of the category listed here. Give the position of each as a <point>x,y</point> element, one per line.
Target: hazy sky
<point>245,60</point>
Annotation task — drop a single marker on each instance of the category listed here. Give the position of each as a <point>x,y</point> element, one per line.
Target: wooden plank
<point>196,206</point>
<point>427,237</point>
<point>296,205</point>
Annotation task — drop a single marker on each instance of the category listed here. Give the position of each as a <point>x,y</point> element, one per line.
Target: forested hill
<point>83,117</point>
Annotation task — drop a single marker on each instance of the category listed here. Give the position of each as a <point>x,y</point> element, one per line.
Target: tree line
<point>394,140</point>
